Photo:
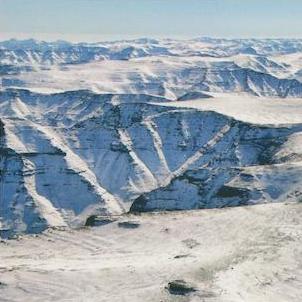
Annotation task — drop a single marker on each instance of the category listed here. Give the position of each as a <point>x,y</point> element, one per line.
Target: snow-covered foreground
<point>250,254</point>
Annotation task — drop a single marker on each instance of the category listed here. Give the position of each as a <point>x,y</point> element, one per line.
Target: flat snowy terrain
<point>251,254</point>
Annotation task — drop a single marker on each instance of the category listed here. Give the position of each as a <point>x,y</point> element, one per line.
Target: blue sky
<point>114,19</point>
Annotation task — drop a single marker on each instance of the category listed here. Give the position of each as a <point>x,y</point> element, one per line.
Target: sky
<point>96,20</point>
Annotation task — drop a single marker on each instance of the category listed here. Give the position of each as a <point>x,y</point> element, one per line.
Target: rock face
<point>237,167</point>
<point>72,155</point>
<point>67,156</point>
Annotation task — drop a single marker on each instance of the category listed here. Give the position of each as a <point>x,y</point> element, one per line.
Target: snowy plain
<point>230,255</point>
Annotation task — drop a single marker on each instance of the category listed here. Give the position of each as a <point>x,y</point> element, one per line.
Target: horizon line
<point>52,38</point>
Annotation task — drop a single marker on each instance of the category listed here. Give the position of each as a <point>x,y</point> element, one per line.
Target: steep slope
<point>240,165</point>
<point>77,154</point>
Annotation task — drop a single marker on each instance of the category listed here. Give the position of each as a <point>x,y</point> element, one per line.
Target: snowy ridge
<point>48,212</point>
<point>135,154</point>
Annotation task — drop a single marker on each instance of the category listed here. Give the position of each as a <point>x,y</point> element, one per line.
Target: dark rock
<point>95,220</point>
<point>181,256</point>
<point>180,287</point>
<point>2,284</point>
<point>128,225</point>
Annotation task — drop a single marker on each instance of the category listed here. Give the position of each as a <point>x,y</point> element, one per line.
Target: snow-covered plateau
<point>240,254</point>
<point>121,135</point>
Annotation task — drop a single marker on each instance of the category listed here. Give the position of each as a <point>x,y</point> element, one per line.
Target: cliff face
<point>65,157</point>
<point>18,211</point>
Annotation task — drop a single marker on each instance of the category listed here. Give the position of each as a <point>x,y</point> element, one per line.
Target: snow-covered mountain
<point>165,67</point>
<point>107,128</point>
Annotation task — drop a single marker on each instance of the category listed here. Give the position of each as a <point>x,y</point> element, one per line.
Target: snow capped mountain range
<point>143,125</point>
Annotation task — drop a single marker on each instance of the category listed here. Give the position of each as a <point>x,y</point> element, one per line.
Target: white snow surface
<point>239,254</point>
<point>256,110</point>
